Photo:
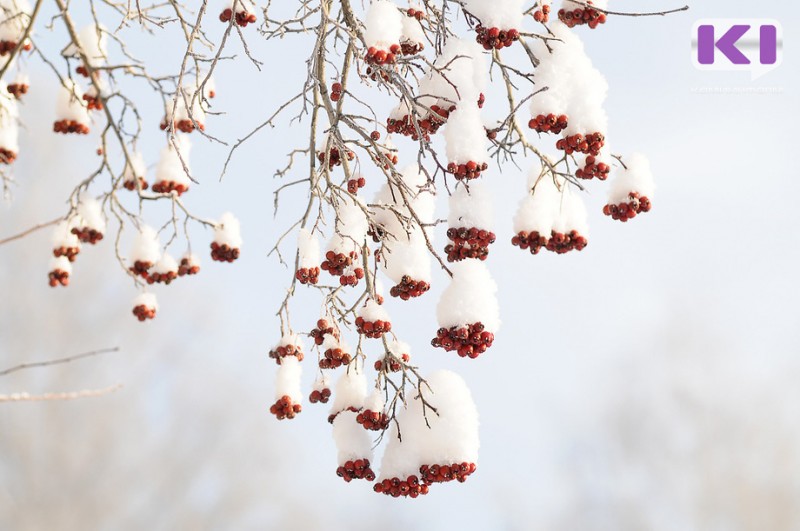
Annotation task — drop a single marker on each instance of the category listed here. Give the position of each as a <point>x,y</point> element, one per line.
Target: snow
<point>93,40</point>
<point>166,264</point>
<point>471,208</point>
<point>323,381</point>
<point>459,74</point>
<point>181,109</point>
<point>137,167</point>
<point>575,87</point>
<point>539,209</point>
<point>146,247</point>
<point>291,339</point>
<point>637,178</point>
<point>15,16</point>
<point>228,231</point>
<point>375,401</point>
<point>503,14</point>
<point>307,249</point>
<point>471,297</point>
<point>70,104</point>
<point>407,256</point>
<point>63,237</point>
<point>352,441</point>
<point>147,299</point>
<point>61,263</point>
<point>288,380</point>
<point>383,25</point>
<point>170,167</point>
<point>372,311</point>
<point>465,136</point>
<point>351,220</point>
<point>412,31</point>
<point>351,389</point>
<point>9,128</point>
<point>571,213</point>
<point>90,213</point>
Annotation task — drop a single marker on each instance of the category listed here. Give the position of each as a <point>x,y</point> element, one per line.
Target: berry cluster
<point>162,278</point>
<point>339,264</point>
<point>82,70</point>
<point>415,13</point>
<point>561,243</point>
<point>542,14</point>
<point>140,268</point>
<point>242,18</point>
<point>550,123</point>
<point>429,125</point>
<point>353,185</point>
<point>391,363</point>
<point>334,358</point>
<point>469,341</point>
<point>373,420</point>
<point>593,169</point>
<point>334,158</point>
<point>143,312</point>
<point>495,38</point>
<point>358,469</point>
<point>281,351</point>
<point>466,171</point>
<point>376,56</point>
<point>391,158</point>
<point>130,184</point>
<point>373,330</point>
<point>71,253</point>
<point>187,267</point>
<point>529,240</point>
<point>396,487</point>
<point>58,277</point>
<point>409,288</point>
<point>590,144</point>
<point>224,253</point>
<point>468,243</point>
<point>166,187</point>
<point>624,211</point>
<point>307,275</point>
<point>17,89</point>
<point>582,15</point>
<point>283,408</point>
<point>320,396</point>
<point>336,91</point>
<point>93,102</point>
<point>7,46</point>
<point>70,126</point>
<point>323,329</point>
<point>7,156</point>
<point>184,126</point>
<point>444,473</point>
<point>87,234</point>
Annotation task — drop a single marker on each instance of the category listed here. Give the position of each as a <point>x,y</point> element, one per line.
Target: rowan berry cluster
<point>284,408</point>
<point>468,341</point>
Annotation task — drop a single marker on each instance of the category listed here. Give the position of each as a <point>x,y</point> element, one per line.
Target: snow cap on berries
<point>502,14</point>
<point>351,221</point>
<point>322,381</point>
<point>146,247</point>
<point>170,166</point>
<point>61,263</point>
<point>539,209</point>
<point>465,136</point>
<point>637,178</point>
<point>470,298</point>
<point>289,379</point>
<point>93,40</point>
<point>9,128</point>
<point>471,207</point>
<point>351,388</point>
<point>64,237</point>
<point>228,231</point>
<point>352,441</point>
<point>383,25</point>
<point>137,168</point>
<point>90,213</point>
<point>70,104</point>
<point>372,312</point>
<point>307,249</point>
<point>166,264</point>
<point>16,17</point>
<point>147,299</point>
<point>571,213</point>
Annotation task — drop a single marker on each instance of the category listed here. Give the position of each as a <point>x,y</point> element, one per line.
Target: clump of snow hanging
<point>539,209</point>
<point>228,231</point>
<point>383,25</point>
<point>15,17</point>
<point>503,14</point>
<point>146,247</point>
<point>571,213</point>
<point>61,263</point>
<point>70,104</point>
<point>93,40</point>
<point>322,381</point>
<point>181,110</point>
<point>375,400</point>
<point>352,441</point>
<point>575,87</point>
<point>453,434</point>
<point>412,32</point>
<point>288,380</point>
<point>170,168</point>
<point>407,258</point>
<point>470,298</point>
<point>637,178</point>
<point>9,128</point>
<point>64,237</point>
<point>372,312</point>
<point>471,208</point>
<point>459,74</point>
<point>307,249</point>
<point>351,388</point>
<point>351,221</point>
<point>147,299</point>
<point>465,136</point>
<point>90,214</point>
<point>165,265</point>
<point>137,169</point>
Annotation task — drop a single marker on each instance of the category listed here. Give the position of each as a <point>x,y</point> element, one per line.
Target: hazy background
<point>648,382</point>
